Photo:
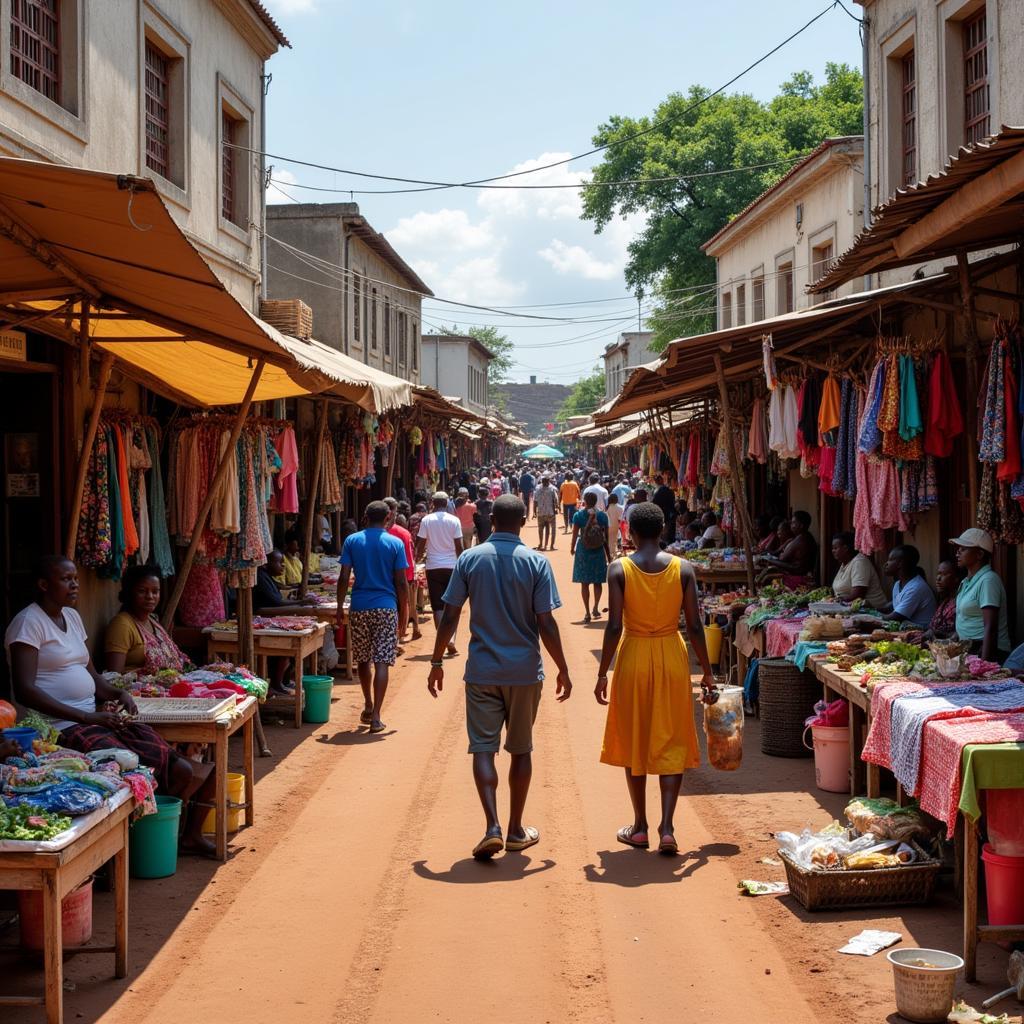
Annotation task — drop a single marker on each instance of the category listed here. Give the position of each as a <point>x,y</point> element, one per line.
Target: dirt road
<point>354,896</point>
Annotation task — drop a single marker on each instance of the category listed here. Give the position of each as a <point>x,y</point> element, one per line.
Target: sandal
<point>531,838</point>
<point>586,618</point>
<point>379,727</point>
<point>488,847</point>
<point>668,846</point>
<point>637,839</point>
<point>367,716</point>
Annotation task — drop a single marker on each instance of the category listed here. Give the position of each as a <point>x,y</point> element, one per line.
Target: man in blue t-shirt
<point>379,611</point>
<point>512,594</point>
<point>527,485</point>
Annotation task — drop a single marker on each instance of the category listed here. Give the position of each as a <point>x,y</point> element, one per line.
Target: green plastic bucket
<point>153,840</point>
<point>317,706</point>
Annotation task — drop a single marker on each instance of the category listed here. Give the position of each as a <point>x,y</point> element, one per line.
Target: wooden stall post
<point>389,483</point>
<point>311,496</point>
<point>71,539</point>
<point>204,511</point>
<point>736,472</point>
<point>971,336</point>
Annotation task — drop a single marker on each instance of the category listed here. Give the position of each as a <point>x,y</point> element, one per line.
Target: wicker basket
<point>817,889</point>
<point>787,698</point>
<point>290,316</point>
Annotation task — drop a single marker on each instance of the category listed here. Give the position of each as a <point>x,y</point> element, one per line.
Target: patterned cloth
<point>992,447</point>
<point>943,623</point>
<point>844,473</point>
<point>893,444</point>
<point>153,750</point>
<point>94,537</point>
<point>870,434</point>
<point>780,635</point>
<point>374,636</point>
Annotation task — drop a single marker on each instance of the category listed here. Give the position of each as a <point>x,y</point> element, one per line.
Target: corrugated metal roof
<point>875,249</point>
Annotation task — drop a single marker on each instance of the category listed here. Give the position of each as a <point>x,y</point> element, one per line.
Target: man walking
<point>512,594</point>
<point>596,488</point>
<point>527,486</point>
<point>380,605</point>
<point>440,538</point>
<point>569,495</point>
<point>410,573</point>
<point>665,498</point>
<point>545,502</point>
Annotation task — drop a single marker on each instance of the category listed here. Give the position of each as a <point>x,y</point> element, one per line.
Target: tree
<point>723,132</point>
<point>501,348</point>
<point>586,395</point>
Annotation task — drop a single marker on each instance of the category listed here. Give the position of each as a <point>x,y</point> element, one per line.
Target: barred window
<point>976,87</point>
<point>35,45</point>
<point>158,156</point>
<point>909,119</point>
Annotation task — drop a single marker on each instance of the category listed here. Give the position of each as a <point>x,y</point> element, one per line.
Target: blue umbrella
<point>542,451</point>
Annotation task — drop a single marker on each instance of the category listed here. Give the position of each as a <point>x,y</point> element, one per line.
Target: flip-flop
<point>378,728</point>
<point>586,619</point>
<point>516,845</point>
<point>628,837</point>
<point>366,717</point>
<point>668,846</point>
<point>488,847</point>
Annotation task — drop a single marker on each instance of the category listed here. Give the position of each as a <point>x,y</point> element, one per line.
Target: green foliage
<point>726,131</point>
<point>586,395</point>
<point>501,348</point>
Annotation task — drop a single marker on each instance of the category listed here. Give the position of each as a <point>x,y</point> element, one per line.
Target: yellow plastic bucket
<point>713,639</point>
<point>236,794</point>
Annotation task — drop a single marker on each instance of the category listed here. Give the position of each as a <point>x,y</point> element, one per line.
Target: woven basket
<point>817,889</point>
<point>786,701</point>
<point>290,316</point>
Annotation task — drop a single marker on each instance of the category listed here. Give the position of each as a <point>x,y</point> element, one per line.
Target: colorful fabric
<point>870,431</point>
<point>992,766</point>
<point>945,421</point>
<point>893,444</point>
<point>94,543</point>
<point>152,749</point>
<point>844,473</point>
<point>829,411</point>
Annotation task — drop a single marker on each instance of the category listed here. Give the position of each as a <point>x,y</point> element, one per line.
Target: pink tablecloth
<point>877,745</point>
<point>942,746</point>
<point>780,635</point>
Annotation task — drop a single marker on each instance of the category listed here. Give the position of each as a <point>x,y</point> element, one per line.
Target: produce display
<point>777,601</point>
<point>282,623</point>
<point>219,679</point>
<point>31,823</point>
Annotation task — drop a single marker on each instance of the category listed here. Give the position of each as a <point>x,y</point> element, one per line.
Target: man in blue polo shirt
<point>512,594</point>
<point>379,611</point>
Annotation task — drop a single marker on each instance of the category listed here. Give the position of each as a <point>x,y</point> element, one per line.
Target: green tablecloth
<point>989,766</point>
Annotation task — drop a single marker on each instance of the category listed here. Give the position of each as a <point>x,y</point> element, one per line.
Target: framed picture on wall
<point>21,453</point>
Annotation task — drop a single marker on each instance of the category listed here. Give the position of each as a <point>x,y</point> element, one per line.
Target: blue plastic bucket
<point>23,735</point>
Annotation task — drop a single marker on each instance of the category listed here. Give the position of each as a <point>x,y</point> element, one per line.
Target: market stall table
<point>731,576</point>
<point>55,867</point>
<point>217,732</point>
<point>749,644</point>
<point>297,645</point>
<point>863,776</point>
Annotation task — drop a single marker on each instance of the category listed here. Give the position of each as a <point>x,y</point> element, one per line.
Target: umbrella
<point>542,451</point>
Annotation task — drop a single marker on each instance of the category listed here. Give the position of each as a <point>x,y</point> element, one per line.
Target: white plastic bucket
<point>924,994</point>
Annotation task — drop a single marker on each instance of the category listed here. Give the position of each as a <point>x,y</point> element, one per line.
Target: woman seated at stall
<point>291,563</point>
<point>912,599</point>
<point>53,674</point>
<point>947,582</point>
<point>857,578</point>
<point>767,538</point>
<point>799,555</point>
<point>981,600</point>
<point>135,641</point>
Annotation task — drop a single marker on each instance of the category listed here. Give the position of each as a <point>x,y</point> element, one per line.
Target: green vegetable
<point>31,823</point>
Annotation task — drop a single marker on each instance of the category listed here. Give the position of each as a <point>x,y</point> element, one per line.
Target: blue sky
<point>457,90</point>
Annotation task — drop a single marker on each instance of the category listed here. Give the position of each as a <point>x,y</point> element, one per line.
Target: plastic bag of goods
<point>723,727</point>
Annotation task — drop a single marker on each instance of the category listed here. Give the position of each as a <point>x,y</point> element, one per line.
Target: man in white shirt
<point>713,535</point>
<point>596,488</point>
<point>440,539</point>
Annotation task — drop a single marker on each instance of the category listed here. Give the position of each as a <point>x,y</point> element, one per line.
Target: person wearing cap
<point>464,512</point>
<point>981,600</point>
<point>440,540</point>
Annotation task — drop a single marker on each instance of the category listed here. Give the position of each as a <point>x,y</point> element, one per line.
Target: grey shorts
<point>488,708</point>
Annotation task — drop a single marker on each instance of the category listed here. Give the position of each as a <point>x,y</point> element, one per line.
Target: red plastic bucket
<point>75,916</point>
<point>1004,886</point>
<point>1004,813</point>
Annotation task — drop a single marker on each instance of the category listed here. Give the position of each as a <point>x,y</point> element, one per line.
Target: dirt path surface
<point>354,896</point>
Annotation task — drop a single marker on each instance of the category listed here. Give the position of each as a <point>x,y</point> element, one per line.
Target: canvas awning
<point>436,404</point>
<point>976,202</point>
<point>73,238</point>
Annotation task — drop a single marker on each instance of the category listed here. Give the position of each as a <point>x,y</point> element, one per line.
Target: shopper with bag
<point>590,551</point>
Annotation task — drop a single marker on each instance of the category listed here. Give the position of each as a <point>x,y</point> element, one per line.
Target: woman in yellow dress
<point>650,728</point>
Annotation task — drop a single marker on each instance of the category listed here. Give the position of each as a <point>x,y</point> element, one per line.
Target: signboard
<point>22,459</point>
<point>14,346</point>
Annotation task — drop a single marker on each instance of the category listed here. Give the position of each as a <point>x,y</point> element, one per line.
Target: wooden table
<point>749,644</point>
<point>733,576</point>
<point>863,776</point>
<point>217,733</point>
<point>56,874</point>
<point>297,646</point>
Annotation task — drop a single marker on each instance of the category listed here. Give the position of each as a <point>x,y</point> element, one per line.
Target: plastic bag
<point>723,727</point>
<point>824,849</point>
<point>885,819</point>
<point>70,798</point>
<point>834,716</point>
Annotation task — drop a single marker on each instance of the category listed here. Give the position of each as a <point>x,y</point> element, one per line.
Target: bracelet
<point>437,664</point>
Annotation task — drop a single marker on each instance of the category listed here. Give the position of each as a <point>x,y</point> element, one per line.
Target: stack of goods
<point>882,654</point>
<point>219,679</point>
<point>777,601</point>
<point>277,623</point>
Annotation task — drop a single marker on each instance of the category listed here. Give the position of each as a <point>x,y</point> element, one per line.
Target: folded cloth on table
<point>781,634</point>
<point>877,746</point>
<point>803,650</point>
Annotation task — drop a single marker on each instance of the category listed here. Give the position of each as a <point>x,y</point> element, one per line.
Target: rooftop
<point>264,15</point>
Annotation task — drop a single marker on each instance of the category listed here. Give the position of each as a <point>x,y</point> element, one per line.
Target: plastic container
<point>236,795</point>
<point>23,735</point>
<point>75,917</point>
<point>924,994</point>
<point>713,640</point>
<point>723,727</point>
<point>1004,814</point>
<point>831,757</point>
<point>1004,887</point>
<point>153,840</point>
<point>317,690</point>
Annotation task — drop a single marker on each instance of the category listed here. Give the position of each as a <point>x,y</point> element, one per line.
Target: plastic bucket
<point>23,735</point>
<point>153,840</point>
<point>713,639</point>
<point>924,994</point>
<point>1004,812</point>
<point>236,791</point>
<point>75,917</point>
<point>317,706</point>
<point>831,757</point>
<point>1004,887</point>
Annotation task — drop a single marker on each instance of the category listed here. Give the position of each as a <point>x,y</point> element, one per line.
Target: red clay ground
<point>354,897</point>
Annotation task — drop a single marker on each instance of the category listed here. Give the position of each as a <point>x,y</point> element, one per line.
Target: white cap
<point>440,496</point>
<point>974,538</point>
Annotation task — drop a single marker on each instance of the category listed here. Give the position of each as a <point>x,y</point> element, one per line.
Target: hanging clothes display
<point>844,474</point>
<point>945,421</point>
<point>757,440</point>
<point>286,495</point>
<point>828,411</point>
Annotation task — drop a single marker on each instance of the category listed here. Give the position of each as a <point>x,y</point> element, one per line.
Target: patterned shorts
<point>374,636</point>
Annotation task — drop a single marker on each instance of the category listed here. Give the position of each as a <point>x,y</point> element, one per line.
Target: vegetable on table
<point>30,823</point>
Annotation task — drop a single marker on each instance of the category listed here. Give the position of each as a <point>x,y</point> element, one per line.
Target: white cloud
<point>292,6</point>
<point>545,204</point>
<point>480,281</point>
<point>574,259</point>
<point>442,231</point>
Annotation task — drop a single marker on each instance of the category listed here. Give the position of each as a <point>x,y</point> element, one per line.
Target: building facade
<point>768,253</point>
<point>366,299</point>
<point>941,74</point>
<point>152,88</point>
<point>630,350</point>
<point>456,365</point>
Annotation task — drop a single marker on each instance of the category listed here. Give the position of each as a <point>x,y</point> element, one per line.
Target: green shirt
<point>982,590</point>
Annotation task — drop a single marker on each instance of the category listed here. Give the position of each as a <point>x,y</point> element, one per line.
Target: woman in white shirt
<point>53,674</point>
<point>857,578</point>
